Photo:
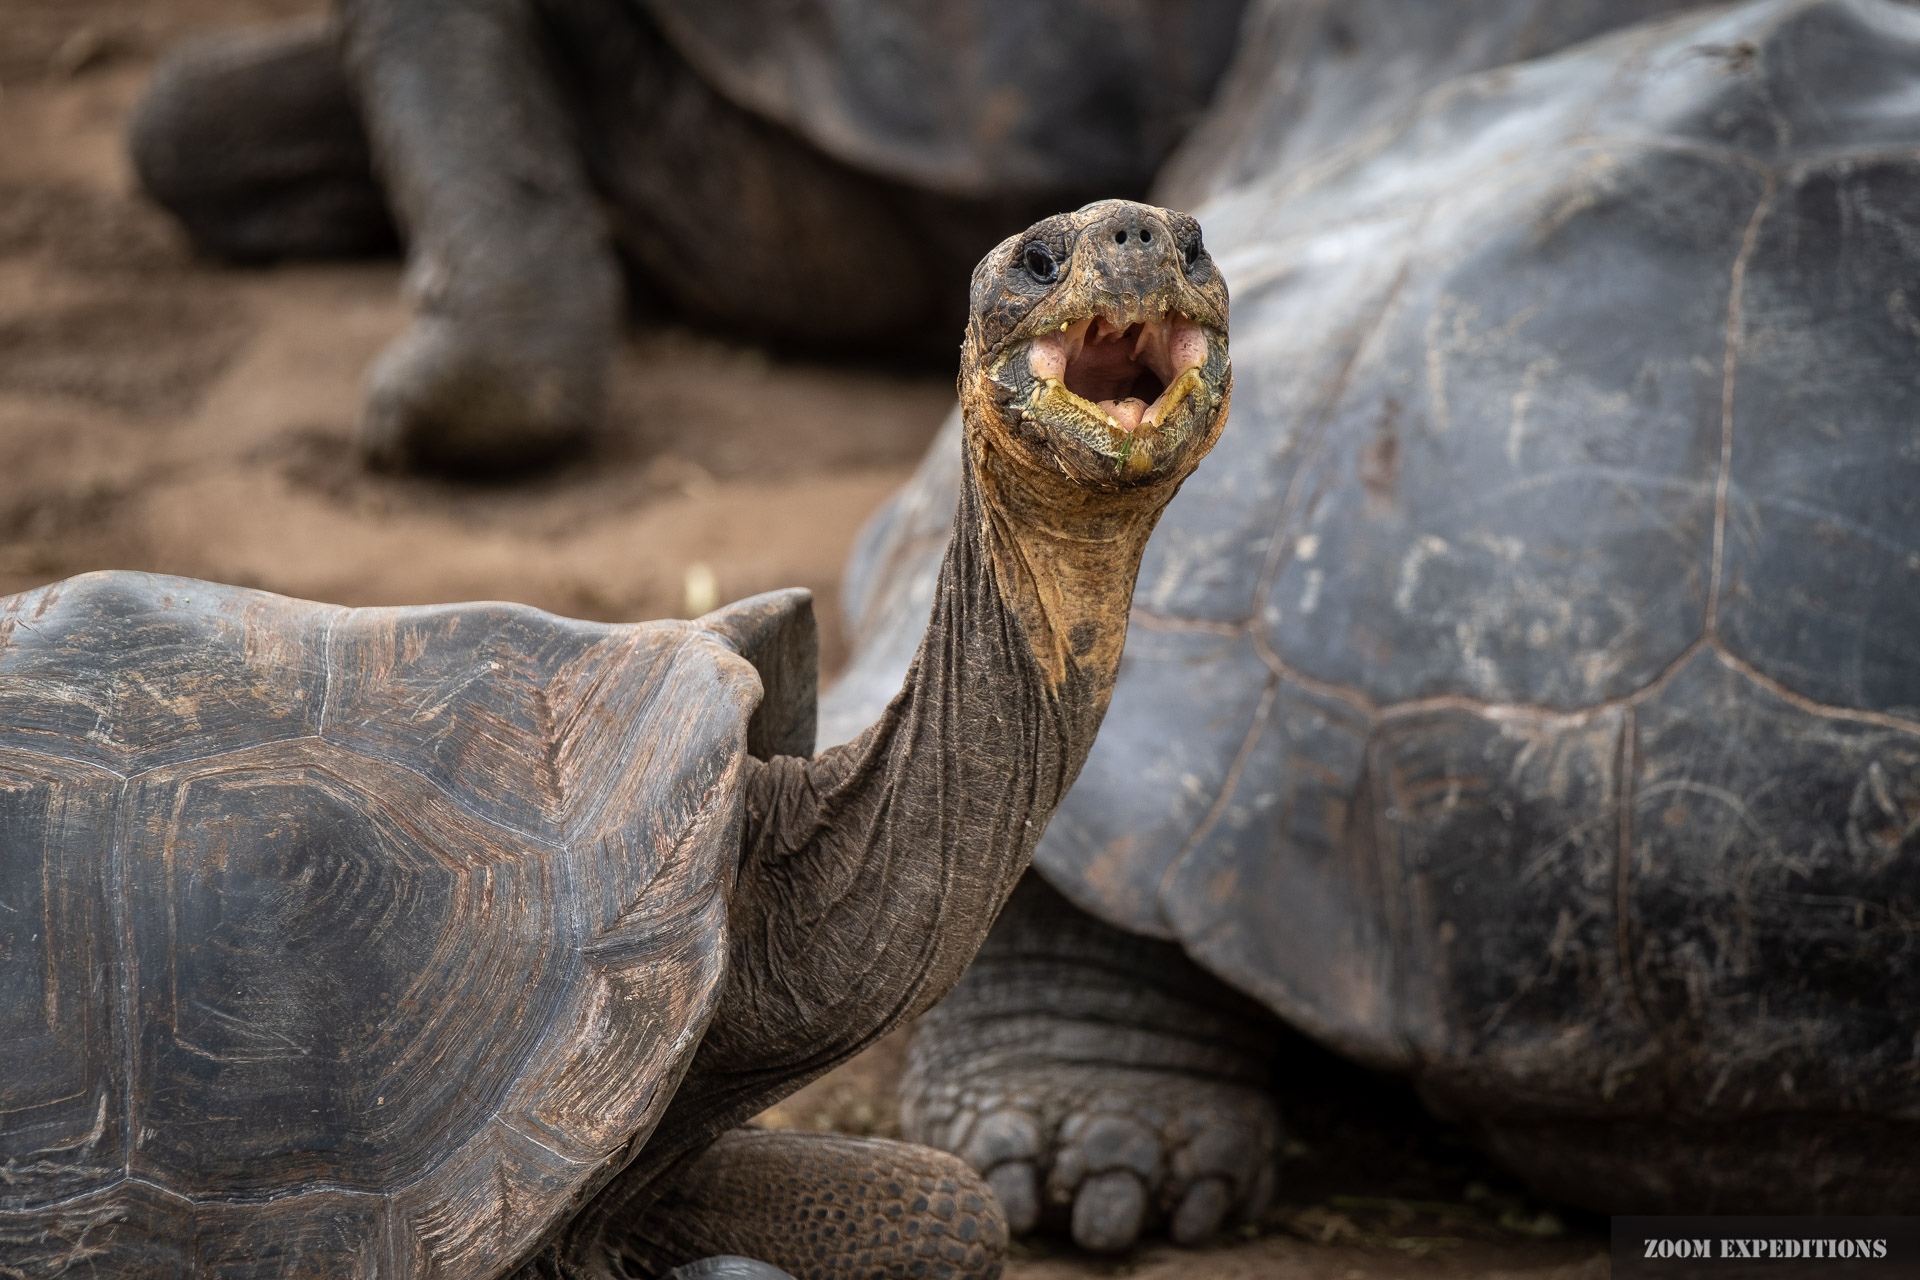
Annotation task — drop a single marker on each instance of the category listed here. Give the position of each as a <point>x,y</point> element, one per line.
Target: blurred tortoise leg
<point>250,137</point>
<point>1100,1081</point>
<point>516,295</point>
<point>822,1206</point>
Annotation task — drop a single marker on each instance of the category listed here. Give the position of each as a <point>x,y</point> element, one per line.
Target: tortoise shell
<point>1528,694</point>
<point>344,942</point>
<point>978,99</point>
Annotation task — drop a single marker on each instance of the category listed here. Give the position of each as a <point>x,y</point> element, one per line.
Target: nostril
<point>1120,237</point>
<point>1146,236</point>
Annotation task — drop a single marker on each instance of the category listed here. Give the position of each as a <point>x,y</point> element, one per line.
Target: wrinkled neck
<point>882,863</point>
<point>871,873</point>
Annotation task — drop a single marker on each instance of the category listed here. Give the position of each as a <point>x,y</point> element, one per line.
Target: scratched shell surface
<point>343,942</point>
<point>1527,689</point>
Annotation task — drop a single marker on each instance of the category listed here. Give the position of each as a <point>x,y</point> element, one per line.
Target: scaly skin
<point>1100,1082</point>
<point>825,1204</point>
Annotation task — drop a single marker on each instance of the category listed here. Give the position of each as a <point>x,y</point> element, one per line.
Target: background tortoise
<point>380,941</point>
<point>823,175</point>
<point>1528,699</point>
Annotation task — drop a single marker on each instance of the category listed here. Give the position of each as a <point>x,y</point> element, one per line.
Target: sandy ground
<point>163,413</point>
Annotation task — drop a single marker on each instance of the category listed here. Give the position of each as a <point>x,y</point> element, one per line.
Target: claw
<point>1109,1211</point>
<point>1201,1211</point>
<point>1018,1187</point>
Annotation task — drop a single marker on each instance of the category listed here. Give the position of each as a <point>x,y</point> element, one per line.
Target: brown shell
<point>343,942</point>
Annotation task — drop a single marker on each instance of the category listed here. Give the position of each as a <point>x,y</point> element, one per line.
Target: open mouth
<point>1135,374</point>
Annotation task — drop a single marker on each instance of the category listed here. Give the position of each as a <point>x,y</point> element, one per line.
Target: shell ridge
<point>1257,726</point>
<point>499,1117</point>
<point>142,1180</point>
<point>453,797</point>
<point>601,942</point>
<point>566,729</point>
<point>122,959</point>
<point>165,766</point>
<point>326,667</point>
<point>578,818</point>
<point>1735,333</point>
<point>107,1189</point>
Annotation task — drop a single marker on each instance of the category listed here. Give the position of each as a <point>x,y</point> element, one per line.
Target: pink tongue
<point>1126,412</point>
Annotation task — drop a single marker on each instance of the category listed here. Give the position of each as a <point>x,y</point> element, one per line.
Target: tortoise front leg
<point>818,1205</point>
<point>516,294</point>
<point>1099,1081</point>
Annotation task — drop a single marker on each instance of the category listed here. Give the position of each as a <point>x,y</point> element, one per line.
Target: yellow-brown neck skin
<point>1064,557</point>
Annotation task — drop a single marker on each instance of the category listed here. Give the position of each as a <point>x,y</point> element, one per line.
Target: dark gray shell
<point>1312,77</point>
<point>350,942</point>
<point>1527,692</point>
<point>980,98</point>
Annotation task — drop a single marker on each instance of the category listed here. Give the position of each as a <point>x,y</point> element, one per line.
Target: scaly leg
<point>1098,1080</point>
<point>823,1207</point>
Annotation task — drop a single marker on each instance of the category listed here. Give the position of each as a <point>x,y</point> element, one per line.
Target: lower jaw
<point>1105,448</point>
<point>1132,416</point>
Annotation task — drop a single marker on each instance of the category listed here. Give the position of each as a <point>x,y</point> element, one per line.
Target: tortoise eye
<point>1040,263</point>
<point>1193,251</point>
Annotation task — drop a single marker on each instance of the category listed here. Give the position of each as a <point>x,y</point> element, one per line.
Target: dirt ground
<point>164,413</point>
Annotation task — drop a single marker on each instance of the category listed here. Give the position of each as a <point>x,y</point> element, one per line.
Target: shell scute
<point>66,1100</point>
<point>1500,842</point>
<point>112,669</point>
<point>1773,896</point>
<point>331,944</point>
<point>400,932</point>
<point>1822,576</point>
<point>1306,924</point>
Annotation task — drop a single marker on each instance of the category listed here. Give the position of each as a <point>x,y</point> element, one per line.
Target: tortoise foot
<point>1098,1081</point>
<point>486,390</point>
<point>516,294</point>
<point>821,1207</point>
<point>1108,1151</point>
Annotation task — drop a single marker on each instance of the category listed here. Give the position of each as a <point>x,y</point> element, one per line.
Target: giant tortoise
<point>1527,700</point>
<point>822,174</point>
<point>446,941</point>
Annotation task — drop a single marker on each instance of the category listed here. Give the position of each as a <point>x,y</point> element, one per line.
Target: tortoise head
<point>1097,347</point>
